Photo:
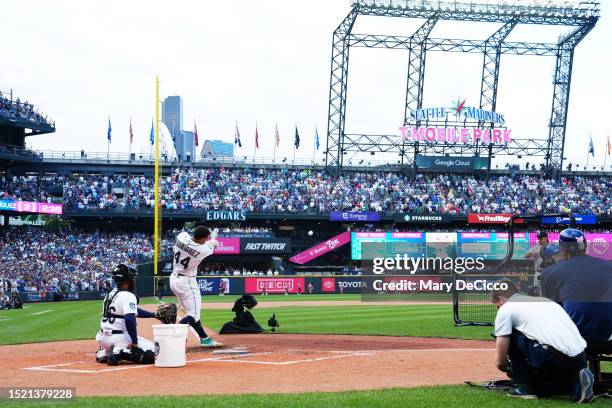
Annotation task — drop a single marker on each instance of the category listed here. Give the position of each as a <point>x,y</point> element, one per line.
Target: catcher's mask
<point>125,274</point>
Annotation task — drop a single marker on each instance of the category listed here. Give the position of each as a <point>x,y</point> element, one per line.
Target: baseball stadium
<point>438,233</point>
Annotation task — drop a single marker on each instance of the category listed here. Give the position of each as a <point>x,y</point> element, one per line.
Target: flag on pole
<point>591,148</point>
<point>297,138</point>
<point>277,136</point>
<point>131,132</point>
<point>237,137</point>
<point>110,129</point>
<point>609,145</point>
<point>256,138</point>
<point>152,134</point>
<point>317,138</point>
<point>195,133</point>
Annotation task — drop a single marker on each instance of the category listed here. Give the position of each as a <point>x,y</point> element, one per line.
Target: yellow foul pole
<point>157,209</point>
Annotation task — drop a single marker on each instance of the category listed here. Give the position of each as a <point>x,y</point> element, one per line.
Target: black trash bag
<point>244,322</point>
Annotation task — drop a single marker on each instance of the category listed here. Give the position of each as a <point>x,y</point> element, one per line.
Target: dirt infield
<point>284,363</point>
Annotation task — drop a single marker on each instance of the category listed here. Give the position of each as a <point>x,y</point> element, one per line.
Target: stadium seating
<point>21,112</point>
<point>306,191</point>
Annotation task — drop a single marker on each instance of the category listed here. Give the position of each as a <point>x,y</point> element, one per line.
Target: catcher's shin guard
<point>138,356</point>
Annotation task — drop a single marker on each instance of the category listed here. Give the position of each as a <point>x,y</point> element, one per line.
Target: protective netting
<point>475,307</point>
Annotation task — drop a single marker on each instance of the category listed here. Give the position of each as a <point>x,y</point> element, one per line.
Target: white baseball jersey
<point>117,304</point>
<point>187,257</point>
<point>188,254</point>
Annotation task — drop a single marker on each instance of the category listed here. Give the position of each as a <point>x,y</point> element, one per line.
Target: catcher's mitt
<point>166,313</point>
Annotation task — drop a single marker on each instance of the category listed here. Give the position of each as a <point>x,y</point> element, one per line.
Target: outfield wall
<point>291,285</point>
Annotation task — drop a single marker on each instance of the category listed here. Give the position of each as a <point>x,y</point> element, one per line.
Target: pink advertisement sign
<point>328,284</point>
<point>599,244</point>
<point>31,207</point>
<point>227,246</point>
<point>274,285</point>
<point>322,248</point>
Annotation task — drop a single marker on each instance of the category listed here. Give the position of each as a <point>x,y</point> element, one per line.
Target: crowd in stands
<point>34,259</point>
<point>22,111</point>
<point>307,191</point>
<point>228,270</point>
<point>31,188</point>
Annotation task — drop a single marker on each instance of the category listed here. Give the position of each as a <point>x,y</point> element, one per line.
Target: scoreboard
<point>491,245</point>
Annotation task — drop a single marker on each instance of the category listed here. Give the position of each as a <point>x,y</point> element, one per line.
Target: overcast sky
<point>267,62</point>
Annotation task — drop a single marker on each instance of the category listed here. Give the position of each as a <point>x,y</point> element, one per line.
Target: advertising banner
<point>354,216</point>
<point>214,285</point>
<point>491,245</point>
<point>491,219</point>
<point>265,246</point>
<point>599,245</point>
<point>274,285</point>
<point>421,218</point>
<point>33,219</point>
<point>328,284</point>
<point>580,219</point>
<point>227,246</point>
<point>31,207</point>
<point>452,163</point>
<point>322,248</point>
<point>370,245</point>
<point>219,215</point>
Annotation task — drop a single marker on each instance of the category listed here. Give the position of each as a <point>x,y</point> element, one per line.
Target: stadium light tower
<point>581,17</point>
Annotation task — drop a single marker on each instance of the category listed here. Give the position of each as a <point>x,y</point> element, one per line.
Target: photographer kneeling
<point>539,347</point>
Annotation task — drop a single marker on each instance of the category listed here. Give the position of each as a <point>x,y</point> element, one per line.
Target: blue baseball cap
<point>572,240</point>
<point>551,250</point>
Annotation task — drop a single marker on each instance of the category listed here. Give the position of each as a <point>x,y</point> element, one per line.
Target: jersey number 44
<point>184,262</point>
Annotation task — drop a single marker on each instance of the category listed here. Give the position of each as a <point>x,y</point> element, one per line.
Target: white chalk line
<point>39,313</point>
<point>307,360</point>
<point>230,359</point>
<point>54,367</point>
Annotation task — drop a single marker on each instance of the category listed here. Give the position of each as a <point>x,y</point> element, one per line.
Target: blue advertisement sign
<point>580,219</point>
<point>354,216</point>
<point>214,285</point>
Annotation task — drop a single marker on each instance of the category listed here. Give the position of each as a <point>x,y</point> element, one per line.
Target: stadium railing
<point>240,160</point>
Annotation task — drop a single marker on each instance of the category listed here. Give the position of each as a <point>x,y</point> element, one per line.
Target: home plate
<point>235,350</point>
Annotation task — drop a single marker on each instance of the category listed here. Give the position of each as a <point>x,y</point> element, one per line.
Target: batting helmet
<point>124,273</point>
<point>572,240</point>
<point>551,250</point>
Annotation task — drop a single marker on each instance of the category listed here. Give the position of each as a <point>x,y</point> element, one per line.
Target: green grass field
<point>80,320</point>
<point>412,297</point>
<point>444,396</point>
<point>282,298</point>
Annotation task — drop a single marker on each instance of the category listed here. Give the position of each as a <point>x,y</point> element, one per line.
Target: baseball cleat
<point>210,343</point>
<point>584,390</point>
<point>101,356</point>
<point>522,393</point>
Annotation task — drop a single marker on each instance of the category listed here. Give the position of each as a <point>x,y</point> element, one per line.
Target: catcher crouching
<point>118,337</point>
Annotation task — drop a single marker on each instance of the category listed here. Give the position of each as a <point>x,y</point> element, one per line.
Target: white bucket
<point>170,344</point>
